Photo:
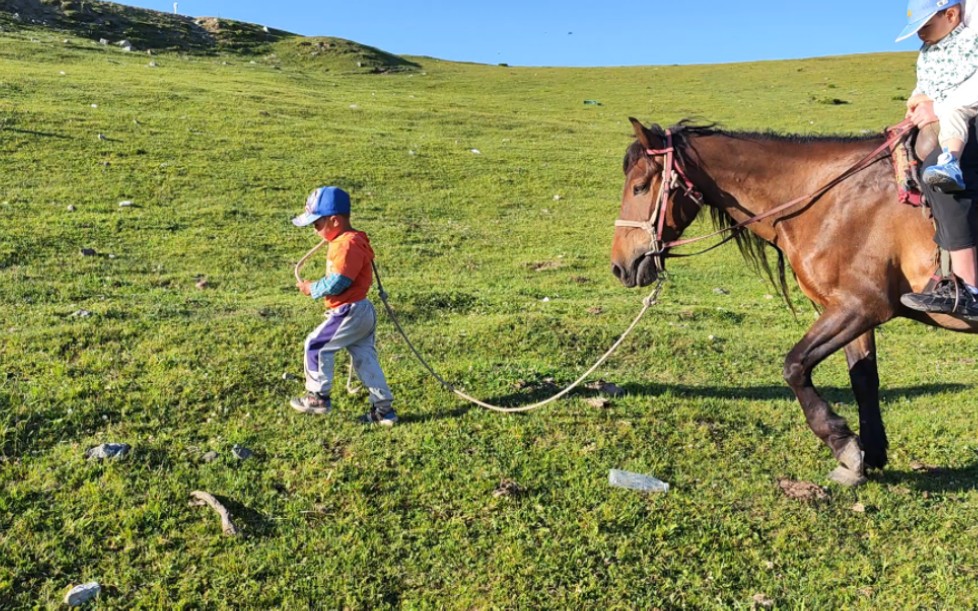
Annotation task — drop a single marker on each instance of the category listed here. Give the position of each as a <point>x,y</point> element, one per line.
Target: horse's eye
<point>640,188</point>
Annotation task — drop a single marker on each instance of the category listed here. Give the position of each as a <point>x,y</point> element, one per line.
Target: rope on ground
<point>647,303</point>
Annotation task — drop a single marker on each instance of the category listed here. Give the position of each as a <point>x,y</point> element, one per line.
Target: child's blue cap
<point>919,12</point>
<point>324,201</point>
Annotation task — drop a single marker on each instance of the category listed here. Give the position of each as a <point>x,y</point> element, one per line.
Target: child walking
<point>947,74</point>
<point>350,317</point>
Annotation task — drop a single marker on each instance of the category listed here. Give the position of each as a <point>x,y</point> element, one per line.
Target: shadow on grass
<point>30,132</point>
<point>832,394</point>
<point>252,523</point>
<point>935,479</point>
<point>422,418</point>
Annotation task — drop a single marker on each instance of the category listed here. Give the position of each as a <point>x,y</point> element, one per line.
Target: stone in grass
<point>289,377</point>
<point>79,595</point>
<point>210,456</point>
<point>88,252</point>
<point>761,601</point>
<point>606,387</point>
<point>919,467</point>
<point>81,314</point>
<point>107,450</point>
<point>599,402</point>
<point>508,487</point>
<point>125,203</point>
<point>241,453</point>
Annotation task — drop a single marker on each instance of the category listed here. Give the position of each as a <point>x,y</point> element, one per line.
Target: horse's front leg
<point>861,356</point>
<point>835,328</point>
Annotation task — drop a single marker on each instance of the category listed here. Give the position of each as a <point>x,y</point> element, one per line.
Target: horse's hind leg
<point>834,329</point>
<point>861,356</point>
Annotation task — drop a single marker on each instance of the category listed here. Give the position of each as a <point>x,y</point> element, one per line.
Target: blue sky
<point>582,32</point>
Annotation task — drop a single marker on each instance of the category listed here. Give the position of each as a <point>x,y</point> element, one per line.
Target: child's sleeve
<point>333,284</point>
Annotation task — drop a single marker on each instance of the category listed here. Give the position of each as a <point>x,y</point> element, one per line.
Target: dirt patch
<point>544,266</point>
<point>802,491</point>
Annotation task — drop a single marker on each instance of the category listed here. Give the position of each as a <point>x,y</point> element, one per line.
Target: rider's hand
<point>305,287</point>
<point>923,114</point>
<point>916,100</point>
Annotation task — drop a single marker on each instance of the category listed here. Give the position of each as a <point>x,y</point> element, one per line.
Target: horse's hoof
<point>846,477</point>
<point>851,457</point>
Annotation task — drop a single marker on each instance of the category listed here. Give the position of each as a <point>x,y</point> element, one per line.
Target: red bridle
<point>672,171</point>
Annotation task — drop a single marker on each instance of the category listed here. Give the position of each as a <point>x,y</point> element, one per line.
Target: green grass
<point>217,153</point>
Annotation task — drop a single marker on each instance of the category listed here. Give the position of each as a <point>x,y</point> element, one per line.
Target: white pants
<point>349,326</point>
<point>954,123</point>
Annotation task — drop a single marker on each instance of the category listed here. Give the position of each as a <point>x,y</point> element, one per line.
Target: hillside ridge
<point>139,29</point>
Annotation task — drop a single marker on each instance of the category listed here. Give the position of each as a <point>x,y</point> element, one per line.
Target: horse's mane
<point>753,248</point>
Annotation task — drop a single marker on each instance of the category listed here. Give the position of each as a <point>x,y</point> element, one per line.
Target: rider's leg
<point>945,174</point>
<point>965,265</point>
<point>956,215</point>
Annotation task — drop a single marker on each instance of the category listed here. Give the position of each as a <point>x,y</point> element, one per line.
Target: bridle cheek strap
<point>672,173</point>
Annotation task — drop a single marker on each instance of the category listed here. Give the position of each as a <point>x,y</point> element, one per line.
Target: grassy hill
<point>148,30</point>
<point>489,193</point>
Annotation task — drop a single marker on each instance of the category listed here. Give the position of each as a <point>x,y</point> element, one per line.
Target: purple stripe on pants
<point>336,318</point>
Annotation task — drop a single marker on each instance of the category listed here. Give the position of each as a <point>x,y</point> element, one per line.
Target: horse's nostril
<point>616,270</point>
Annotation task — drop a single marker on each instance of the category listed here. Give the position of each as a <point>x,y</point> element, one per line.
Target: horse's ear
<point>640,132</point>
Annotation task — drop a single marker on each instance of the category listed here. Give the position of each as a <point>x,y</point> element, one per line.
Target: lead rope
<point>647,303</point>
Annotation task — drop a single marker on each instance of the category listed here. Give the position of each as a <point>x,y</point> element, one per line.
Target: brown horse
<point>853,248</point>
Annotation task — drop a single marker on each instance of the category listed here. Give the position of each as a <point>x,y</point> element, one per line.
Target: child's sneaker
<point>376,416</point>
<point>311,403</point>
<point>947,297</point>
<point>946,175</point>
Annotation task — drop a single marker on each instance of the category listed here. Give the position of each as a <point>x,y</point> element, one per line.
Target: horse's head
<point>653,210</point>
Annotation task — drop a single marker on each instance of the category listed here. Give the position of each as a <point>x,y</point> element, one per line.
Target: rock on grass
<point>508,487</point>
<point>241,453</point>
<point>79,595</point>
<point>107,450</point>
